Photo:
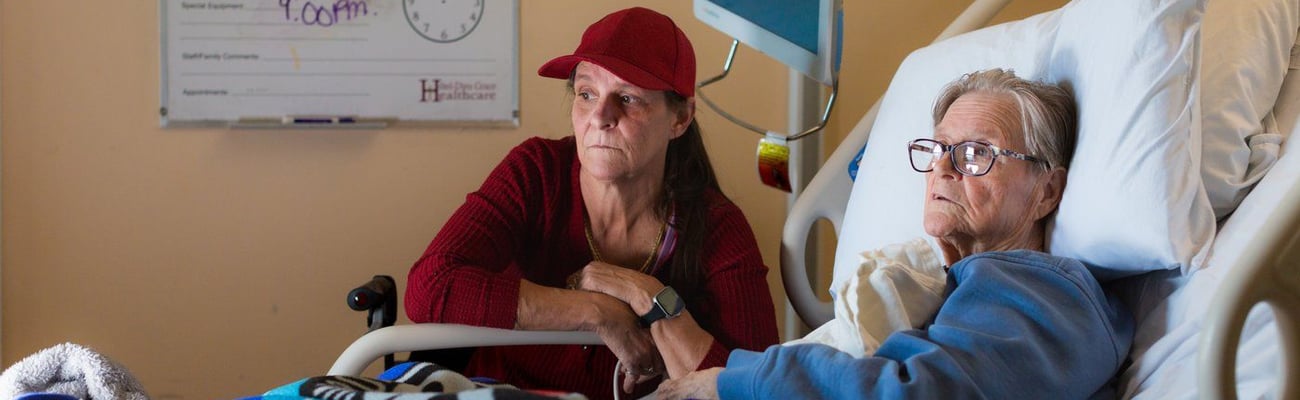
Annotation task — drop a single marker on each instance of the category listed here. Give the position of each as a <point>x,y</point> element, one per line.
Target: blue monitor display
<point>795,21</point>
<point>803,34</point>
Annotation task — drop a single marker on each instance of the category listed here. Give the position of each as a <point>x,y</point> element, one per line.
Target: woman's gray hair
<point>1048,116</point>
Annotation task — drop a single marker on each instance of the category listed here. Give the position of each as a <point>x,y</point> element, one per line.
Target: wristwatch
<point>666,305</point>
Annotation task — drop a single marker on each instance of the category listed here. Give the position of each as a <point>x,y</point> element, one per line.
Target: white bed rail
<point>402,338</point>
<point>828,193</point>
<point>825,197</point>
<point>1268,272</point>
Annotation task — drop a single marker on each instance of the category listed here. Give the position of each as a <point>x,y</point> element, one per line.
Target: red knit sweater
<point>526,221</point>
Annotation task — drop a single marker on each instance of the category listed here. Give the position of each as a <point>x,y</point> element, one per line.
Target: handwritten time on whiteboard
<point>403,59</point>
<point>310,13</point>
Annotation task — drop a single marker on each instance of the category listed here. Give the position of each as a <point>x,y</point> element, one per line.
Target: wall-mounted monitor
<point>803,34</point>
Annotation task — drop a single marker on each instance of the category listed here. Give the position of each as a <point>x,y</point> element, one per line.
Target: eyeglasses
<point>969,158</point>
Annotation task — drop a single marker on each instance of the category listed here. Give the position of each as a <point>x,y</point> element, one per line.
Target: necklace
<point>654,250</point>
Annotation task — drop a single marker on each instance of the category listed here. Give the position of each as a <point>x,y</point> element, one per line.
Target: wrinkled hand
<point>632,287</point>
<point>633,345</point>
<point>635,291</point>
<point>696,385</point>
<point>631,379</point>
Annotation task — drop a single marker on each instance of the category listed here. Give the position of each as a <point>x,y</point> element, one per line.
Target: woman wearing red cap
<point>620,229</point>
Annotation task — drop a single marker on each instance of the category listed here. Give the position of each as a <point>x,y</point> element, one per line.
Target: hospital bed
<point>1200,331</point>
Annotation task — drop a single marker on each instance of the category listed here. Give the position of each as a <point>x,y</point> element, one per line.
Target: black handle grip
<point>373,294</point>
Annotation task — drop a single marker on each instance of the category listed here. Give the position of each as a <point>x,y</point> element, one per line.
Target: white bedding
<point>1171,309</point>
<point>897,287</point>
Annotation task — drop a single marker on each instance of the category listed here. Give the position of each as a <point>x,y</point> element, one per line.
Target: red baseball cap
<point>640,46</point>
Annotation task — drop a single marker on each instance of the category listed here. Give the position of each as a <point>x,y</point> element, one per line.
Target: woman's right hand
<point>549,308</point>
<point>617,326</point>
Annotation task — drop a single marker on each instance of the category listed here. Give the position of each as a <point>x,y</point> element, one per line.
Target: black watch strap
<point>656,313</point>
<point>666,304</point>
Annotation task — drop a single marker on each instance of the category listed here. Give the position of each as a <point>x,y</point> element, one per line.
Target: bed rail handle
<point>825,197</point>
<point>1266,273</point>
<point>403,338</point>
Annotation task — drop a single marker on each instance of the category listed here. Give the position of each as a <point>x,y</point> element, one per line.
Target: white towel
<point>73,370</point>
<point>904,288</point>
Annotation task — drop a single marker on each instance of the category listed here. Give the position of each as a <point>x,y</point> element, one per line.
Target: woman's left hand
<point>701,384</point>
<point>632,287</point>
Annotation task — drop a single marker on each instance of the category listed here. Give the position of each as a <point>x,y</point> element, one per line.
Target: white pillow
<point>1134,200</point>
<point>1285,118</point>
<point>1247,44</point>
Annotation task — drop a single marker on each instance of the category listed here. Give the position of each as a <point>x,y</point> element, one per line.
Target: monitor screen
<point>803,34</point>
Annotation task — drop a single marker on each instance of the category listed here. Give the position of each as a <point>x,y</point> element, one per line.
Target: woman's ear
<point>1053,189</point>
<point>685,115</point>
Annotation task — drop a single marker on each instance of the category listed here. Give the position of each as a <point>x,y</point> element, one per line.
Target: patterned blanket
<point>407,381</point>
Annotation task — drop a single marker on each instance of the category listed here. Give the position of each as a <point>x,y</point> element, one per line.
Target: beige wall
<point>213,263</point>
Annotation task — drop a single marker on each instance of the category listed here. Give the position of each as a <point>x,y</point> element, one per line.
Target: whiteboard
<point>338,63</point>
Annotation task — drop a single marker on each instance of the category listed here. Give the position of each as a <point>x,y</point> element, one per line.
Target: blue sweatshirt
<point>1015,325</point>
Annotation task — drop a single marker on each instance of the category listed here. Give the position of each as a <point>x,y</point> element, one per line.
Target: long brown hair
<point>688,178</point>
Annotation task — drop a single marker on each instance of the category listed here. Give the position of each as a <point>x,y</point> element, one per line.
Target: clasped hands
<point>630,295</point>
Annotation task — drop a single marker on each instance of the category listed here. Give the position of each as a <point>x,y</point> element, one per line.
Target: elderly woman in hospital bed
<point>1016,322</point>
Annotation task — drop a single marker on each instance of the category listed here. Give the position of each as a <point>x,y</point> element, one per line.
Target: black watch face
<point>670,302</point>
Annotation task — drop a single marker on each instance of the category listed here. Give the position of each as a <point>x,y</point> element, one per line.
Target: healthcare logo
<point>440,90</point>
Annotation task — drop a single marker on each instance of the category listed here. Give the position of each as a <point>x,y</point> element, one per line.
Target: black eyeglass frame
<point>952,156</point>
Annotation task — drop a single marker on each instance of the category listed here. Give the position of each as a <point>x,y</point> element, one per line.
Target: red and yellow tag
<point>774,162</point>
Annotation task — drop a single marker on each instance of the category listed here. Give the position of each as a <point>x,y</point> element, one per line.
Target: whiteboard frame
<point>363,122</point>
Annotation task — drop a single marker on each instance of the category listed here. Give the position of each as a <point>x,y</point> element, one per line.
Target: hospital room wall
<point>213,263</point>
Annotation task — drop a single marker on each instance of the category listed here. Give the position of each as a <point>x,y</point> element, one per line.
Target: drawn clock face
<point>443,21</point>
